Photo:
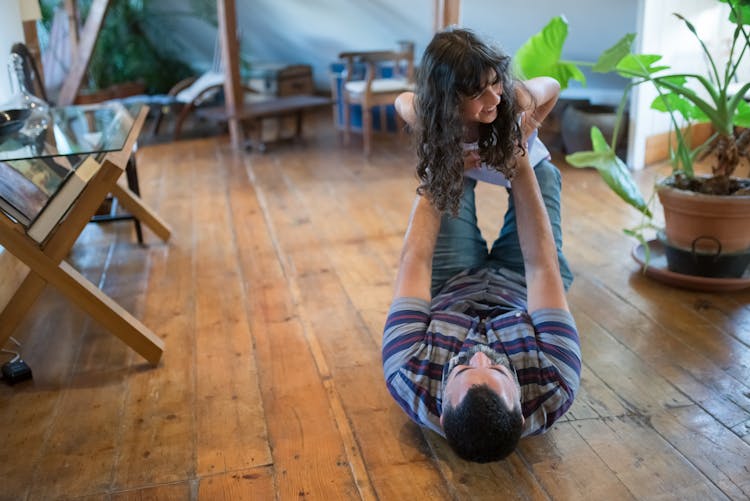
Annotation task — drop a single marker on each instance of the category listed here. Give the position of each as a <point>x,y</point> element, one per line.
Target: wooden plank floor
<point>271,297</point>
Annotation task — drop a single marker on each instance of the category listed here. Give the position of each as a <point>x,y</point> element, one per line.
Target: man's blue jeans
<point>460,244</point>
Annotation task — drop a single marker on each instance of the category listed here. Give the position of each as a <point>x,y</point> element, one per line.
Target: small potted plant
<point>707,217</point>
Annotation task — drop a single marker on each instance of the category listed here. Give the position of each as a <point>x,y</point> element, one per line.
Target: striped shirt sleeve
<point>558,344</point>
<point>407,376</point>
<point>404,331</point>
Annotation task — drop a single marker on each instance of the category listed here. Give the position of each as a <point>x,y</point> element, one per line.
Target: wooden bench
<point>255,111</point>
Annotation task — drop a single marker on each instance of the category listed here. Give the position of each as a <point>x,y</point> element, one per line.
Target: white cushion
<point>379,85</point>
<point>203,82</point>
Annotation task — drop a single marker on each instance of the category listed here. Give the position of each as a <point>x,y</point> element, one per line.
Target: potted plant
<point>705,215</point>
<point>125,61</point>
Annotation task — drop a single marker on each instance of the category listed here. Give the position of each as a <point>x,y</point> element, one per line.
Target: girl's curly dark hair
<point>456,65</point>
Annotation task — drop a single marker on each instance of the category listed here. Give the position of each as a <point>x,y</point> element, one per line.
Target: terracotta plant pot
<point>693,219</point>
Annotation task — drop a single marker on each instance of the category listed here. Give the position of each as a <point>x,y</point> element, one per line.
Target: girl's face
<point>482,108</point>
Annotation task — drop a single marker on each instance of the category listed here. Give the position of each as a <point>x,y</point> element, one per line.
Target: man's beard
<point>497,358</point>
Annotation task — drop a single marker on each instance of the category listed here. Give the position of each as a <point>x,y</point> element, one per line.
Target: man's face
<point>480,365</point>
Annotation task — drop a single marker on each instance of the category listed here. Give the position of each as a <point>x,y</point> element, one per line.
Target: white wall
<point>302,31</point>
<point>11,31</point>
<point>663,33</point>
<point>593,26</point>
<point>315,31</point>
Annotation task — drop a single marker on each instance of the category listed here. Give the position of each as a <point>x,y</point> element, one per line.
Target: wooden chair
<point>286,93</point>
<point>187,95</point>
<point>190,94</point>
<point>375,91</point>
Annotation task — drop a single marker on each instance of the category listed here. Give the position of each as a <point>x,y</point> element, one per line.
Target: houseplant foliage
<point>688,98</point>
<point>123,52</point>
<point>541,56</point>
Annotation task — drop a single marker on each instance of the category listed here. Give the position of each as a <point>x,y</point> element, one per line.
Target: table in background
<point>256,110</point>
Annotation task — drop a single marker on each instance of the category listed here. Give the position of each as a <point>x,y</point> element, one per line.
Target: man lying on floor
<point>494,354</point>
<point>480,346</point>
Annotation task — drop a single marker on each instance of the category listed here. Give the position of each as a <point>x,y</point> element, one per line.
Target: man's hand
<point>472,160</point>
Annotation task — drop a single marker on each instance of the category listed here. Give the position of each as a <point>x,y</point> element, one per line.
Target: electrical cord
<point>11,352</point>
<point>16,370</point>
<point>15,358</point>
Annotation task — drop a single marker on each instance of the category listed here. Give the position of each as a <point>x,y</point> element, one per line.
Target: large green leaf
<point>640,65</point>
<point>679,80</point>
<point>743,6</point>
<point>671,101</point>
<point>611,57</point>
<point>742,114</point>
<point>613,170</point>
<point>540,55</point>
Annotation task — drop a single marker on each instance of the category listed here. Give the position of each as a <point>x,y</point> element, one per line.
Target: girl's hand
<point>472,159</point>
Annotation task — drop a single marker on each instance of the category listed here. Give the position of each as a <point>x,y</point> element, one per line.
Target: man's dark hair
<point>482,428</point>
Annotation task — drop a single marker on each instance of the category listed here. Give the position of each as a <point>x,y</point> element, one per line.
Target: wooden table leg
<point>81,292</point>
<point>55,249</point>
<point>133,204</point>
<point>106,311</point>
<point>131,172</point>
<point>16,309</point>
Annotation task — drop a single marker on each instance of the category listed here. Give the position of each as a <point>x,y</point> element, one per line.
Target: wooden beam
<point>447,12</point>
<point>31,39</point>
<point>81,59</point>
<point>73,32</point>
<point>227,14</point>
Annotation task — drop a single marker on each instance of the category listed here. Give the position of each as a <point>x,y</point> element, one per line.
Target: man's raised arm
<point>543,281</point>
<point>415,267</point>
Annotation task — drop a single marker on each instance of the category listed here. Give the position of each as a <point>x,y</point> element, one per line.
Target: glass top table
<point>89,133</point>
<point>74,130</point>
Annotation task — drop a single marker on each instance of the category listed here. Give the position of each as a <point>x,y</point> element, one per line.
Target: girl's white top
<point>537,153</point>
